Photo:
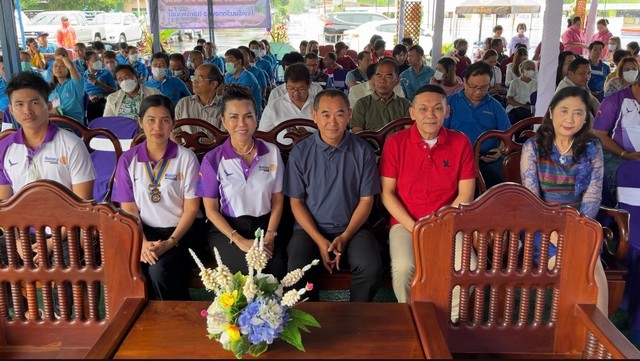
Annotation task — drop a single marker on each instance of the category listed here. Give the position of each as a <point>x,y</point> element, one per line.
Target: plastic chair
<point>339,79</point>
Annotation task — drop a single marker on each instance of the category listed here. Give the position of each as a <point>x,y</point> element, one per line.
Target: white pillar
<point>591,22</point>
<point>438,29</point>
<point>549,55</point>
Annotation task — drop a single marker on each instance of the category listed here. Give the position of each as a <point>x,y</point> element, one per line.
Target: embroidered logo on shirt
<point>273,167</point>
<point>445,163</point>
<point>11,164</point>
<point>173,177</point>
<point>227,173</point>
<point>264,168</point>
<point>51,160</point>
<point>63,160</point>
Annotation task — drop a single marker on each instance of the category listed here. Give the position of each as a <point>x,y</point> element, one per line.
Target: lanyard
<point>154,180</point>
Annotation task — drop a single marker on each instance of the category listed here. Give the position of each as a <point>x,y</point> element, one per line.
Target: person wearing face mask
<point>249,65</point>
<point>236,74</point>
<point>178,67</point>
<point>445,76</point>
<point>603,35</point>
<point>98,83</point>
<point>134,60</point>
<point>169,86</point>
<point>520,38</point>
<point>485,46</point>
<point>461,55</point>
<point>613,45</point>
<point>519,93</point>
<point>599,69</point>
<point>126,101</point>
<point>67,86</point>
<point>262,62</point>
<point>626,73</point>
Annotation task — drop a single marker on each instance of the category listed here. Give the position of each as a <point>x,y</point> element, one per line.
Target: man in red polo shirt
<point>422,169</point>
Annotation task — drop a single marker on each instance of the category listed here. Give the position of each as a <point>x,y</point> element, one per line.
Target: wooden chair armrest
<point>621,218</point>
<point>118,328</point>
<point>431,337</point>
<point>606,334</point>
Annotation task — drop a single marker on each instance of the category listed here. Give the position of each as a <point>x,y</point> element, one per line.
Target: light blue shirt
<point>141,69</point>
<point>71,95</point>
<point>173,88</point>
<point>247,79</point>
<point>4,99</point>
<point>487,115</point>
<point>412,81</point>
<point>260,75</point>
<point>121,59</point>
<point>102,75</point>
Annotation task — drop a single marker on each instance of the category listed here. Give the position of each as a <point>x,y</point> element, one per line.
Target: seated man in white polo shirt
<point>39,150</point>
<point>296,103</point>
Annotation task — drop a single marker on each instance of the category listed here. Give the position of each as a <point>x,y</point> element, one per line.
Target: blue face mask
<point>25,66</point>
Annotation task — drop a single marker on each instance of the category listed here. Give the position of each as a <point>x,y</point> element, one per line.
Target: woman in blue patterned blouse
<point>563,165</point>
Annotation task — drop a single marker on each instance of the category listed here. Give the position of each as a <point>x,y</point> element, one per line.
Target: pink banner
<point>227,14</point>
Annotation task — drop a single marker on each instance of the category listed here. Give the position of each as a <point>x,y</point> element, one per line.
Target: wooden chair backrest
<point>108,272</point>
<point>491,320</point>
<point>511,163</point>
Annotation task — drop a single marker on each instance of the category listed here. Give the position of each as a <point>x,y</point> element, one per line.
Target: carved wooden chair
<point>513,309</point>
<point>615,249</point>
<point>71,324</point>
<point>105,168</point>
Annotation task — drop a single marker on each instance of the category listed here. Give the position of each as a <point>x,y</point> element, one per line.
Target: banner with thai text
<point>227,14</point>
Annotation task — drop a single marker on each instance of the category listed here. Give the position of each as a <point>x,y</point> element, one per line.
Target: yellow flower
<point>228,299</point>
<point>233,332</point>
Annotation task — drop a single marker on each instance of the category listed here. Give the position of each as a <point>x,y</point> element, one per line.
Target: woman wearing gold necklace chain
<point>156,181</point>
<point>241,187</point>
<point>563,164</point>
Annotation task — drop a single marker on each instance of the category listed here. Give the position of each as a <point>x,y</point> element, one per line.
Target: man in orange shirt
<point>66,35</point>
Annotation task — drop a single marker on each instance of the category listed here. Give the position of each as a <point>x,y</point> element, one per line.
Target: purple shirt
<point>619,116</point>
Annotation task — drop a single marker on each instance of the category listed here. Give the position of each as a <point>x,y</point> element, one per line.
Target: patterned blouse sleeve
<point>593,194</point>
<point>529,167</point>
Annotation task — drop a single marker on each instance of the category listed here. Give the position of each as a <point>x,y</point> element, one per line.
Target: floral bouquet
<point>250,311</point>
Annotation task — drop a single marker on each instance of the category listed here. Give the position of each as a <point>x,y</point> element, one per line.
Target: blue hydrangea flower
<point>262,320</point>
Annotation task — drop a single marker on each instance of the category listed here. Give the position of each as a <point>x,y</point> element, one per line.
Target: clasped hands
<point>331,252</point>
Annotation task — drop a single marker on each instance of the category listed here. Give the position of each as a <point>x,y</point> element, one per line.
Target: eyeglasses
<point>300,89</point>
<point>199,78</point>
<point>475,88</point>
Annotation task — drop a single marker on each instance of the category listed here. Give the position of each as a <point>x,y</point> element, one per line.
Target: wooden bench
<point>96,271</point>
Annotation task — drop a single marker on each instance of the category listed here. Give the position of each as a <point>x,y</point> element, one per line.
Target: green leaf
<point>292,336</point>
<point>257,350</point>
<point>240,347</point>
<point>303,318</point>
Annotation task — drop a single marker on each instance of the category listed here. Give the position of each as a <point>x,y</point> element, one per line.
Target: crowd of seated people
<point>240,92</point>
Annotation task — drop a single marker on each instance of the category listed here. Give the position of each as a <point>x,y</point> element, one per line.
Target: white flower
<point>216,318</point>
<point>257,257</point>
<point>294,276</point>
<point>271,312</point>
<point>222,276</point>
<point>250,289</point>
<point>292,297</point>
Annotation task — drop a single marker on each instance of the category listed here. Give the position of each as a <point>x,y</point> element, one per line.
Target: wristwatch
<point>272,232</point>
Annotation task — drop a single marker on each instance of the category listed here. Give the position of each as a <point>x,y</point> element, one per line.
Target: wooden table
<point>175,329</point>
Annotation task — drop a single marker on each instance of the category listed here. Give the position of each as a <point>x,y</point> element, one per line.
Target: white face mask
<point>97,65</point>
<point>611,47</point>
<point>630,75</point>
<point>530,73</point>
<point>128,85</point>
<point>159,72</point>
<point>177,72</point>
<point>263,53</point>
<point>133,57</point>
<point>438,75</point>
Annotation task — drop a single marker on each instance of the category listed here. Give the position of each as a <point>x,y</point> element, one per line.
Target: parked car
<point>357,38</point>
<point>336,23</point>
<point>50,22</point>
<point>190,33</point>
<point>119,27</point>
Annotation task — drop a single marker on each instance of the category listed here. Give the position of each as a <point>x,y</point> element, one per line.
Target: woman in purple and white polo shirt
<point>156,181</point>
<point>241,186</point>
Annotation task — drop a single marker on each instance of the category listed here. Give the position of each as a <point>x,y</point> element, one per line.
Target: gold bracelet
<point>175,241</point>
<point>231,237</point>
<point>623,153</point>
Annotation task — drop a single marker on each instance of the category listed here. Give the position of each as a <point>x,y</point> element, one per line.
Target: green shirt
<point>372,112</point>
<point>130,106</point>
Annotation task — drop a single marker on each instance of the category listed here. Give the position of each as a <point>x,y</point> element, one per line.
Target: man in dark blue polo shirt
<point>331,178</point>
<point>473,112</point>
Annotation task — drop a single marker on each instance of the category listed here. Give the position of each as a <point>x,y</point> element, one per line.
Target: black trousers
<point>234,258</point>
<point>168,279</point>
<point>96,109</point>
<point>362,257</point>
